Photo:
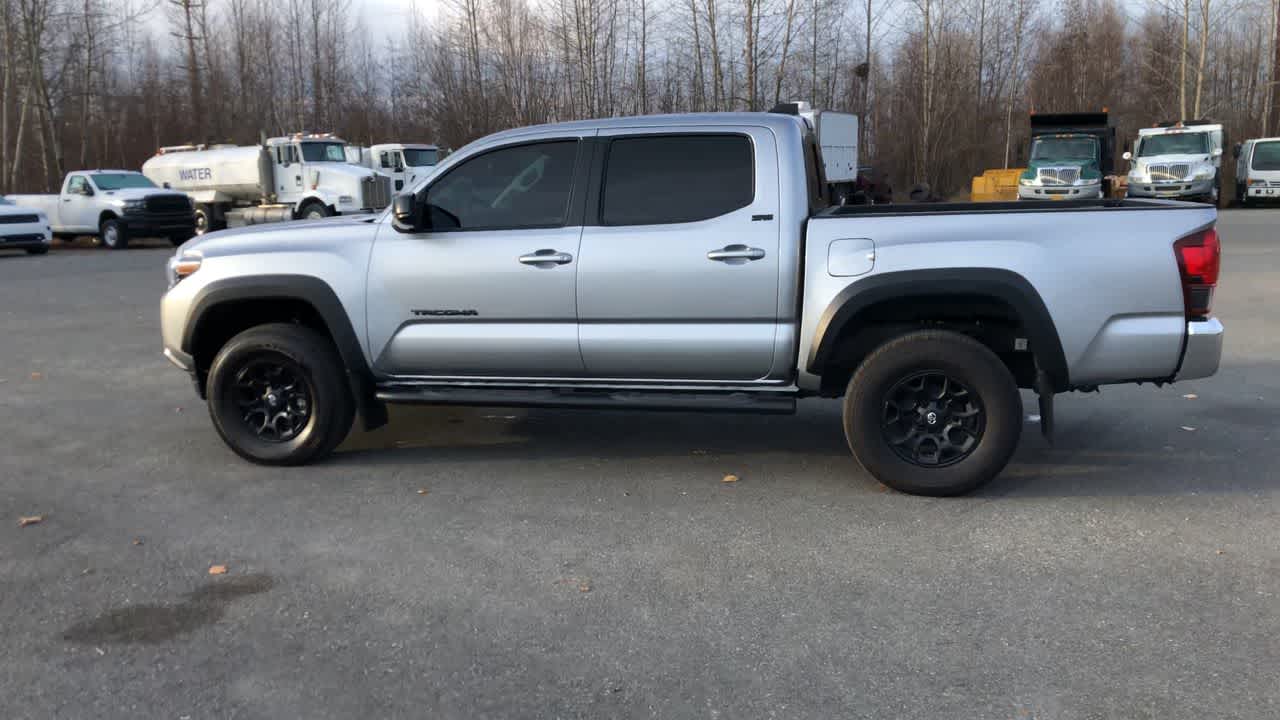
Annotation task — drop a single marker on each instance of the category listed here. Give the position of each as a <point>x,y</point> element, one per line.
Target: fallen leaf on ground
<point>218,570</point>
<point>1222,552</point>
<point>37,376</point>
<point>1191,396</point>
<point>137,541</point>
<point>30,520</point>
<point>584,586</point>
<point>423,491</point>
<point>1188,428</point>
<point>729,479</point>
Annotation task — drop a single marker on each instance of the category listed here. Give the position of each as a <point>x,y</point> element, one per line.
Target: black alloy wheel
<point>274,397</point>
<point>932,420</point>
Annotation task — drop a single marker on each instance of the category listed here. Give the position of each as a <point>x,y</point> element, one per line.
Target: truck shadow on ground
<point>151,624</point>
<point>1082,461</point>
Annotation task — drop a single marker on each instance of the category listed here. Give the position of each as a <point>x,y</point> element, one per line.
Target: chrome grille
<point>1275,183</point>
<point>375,192</point>
<point>1169,173</point>
<point>1059,176</point>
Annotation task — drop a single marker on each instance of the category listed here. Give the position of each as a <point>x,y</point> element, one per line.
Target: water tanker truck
<point>299,176</point>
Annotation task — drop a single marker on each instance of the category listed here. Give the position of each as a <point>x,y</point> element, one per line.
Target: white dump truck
<point>404,163</point>
<point>299,176</point>
<point>1178,160</point>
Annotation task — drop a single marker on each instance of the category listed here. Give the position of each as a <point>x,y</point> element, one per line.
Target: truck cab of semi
<point>1070,158</point>
<point>404,163</point>
<point>1258,170</point>
<point>1177,161</point>
<point>292,177</point>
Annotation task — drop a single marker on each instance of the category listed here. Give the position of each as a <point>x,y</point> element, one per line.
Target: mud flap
<point>1044,389</point>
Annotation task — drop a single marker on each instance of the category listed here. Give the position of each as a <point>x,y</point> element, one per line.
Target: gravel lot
<point>548,564</point>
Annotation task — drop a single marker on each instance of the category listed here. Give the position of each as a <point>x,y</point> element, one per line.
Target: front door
<point>678,277</point>
<point>489,289</point>
<point>79,211</point>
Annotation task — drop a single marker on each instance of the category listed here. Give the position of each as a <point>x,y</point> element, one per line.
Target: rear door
<point>678,275</point>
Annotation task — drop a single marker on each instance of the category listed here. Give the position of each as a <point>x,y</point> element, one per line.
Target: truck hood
<point>279,236</point>
<point>1200,159</point>
<point>334,170</point>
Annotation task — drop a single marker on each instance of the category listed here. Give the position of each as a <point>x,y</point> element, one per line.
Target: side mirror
<point>1235,151</point>
<point>1127,155</point>
<point>404,213</point>
<point>167,186</point>
<point>1217,152</point>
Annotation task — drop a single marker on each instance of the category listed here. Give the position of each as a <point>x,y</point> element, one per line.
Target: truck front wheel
<point>113,234</point>
<point>277,395</point>
<point>933,412</point>
<point>314,210</point>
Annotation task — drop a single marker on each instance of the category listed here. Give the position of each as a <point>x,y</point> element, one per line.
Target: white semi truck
<point>299,176</point>
<point>404,163</point>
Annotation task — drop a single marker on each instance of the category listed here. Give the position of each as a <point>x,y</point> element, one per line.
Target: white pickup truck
<point>115,206</point>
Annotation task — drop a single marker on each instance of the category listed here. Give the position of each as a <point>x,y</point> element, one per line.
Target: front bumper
<point>148,224</point>
<point>31,237</point>
<point>1262,192</point>
<point>1179,189</point>
<point>1059,192</point>
<point>1204,349</point>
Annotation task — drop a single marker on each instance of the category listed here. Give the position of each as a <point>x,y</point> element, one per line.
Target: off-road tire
<point>955,356</point>
<point>332,408</point>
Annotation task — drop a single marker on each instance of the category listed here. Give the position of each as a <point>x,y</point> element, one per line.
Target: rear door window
<point>662,179</point>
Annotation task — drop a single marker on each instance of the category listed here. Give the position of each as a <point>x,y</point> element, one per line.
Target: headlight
<point>1025,181</point>
<point>345,200</point>
<point>135,205</point>
<point>1204,173</point>
<point>1085,181</point>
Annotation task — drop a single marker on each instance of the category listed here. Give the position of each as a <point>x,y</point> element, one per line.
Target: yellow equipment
<point>998,184</point>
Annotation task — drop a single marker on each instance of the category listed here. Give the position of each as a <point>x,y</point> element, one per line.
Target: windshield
<point>1266,156</point>
<point>417,157</point>
<point>323,152</point>
<point>1174,144</point>
<point>119,181</point>
<point>1064,148</point>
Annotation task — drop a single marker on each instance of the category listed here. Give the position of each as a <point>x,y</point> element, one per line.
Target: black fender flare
<point>1004,285</point>
<point>317,294</point>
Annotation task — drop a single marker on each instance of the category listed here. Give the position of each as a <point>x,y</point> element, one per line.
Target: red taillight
<point>1199,258</point>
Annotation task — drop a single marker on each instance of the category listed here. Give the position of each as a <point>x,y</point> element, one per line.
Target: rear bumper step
<point>702,401</point>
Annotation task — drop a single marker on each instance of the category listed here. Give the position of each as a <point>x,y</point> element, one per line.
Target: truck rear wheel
<point>277,395</point>
<point>933,412</point>
<point>113,234</point>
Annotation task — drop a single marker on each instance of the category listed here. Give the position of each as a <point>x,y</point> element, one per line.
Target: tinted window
<point>418,157</point>
<point>676,179</point>
<point>521,186</point>
<point>1266,156</point>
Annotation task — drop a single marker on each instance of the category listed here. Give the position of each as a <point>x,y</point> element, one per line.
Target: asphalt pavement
<point>488,563</point>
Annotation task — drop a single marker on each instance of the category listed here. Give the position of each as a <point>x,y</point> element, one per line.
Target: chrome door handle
<point>546,258</point>
<point>735,252</point>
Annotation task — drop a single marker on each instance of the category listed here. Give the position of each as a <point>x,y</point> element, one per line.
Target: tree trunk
<point>1182,64</point>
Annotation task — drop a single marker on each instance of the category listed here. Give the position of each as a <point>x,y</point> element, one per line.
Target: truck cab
<point>1258,170</point>
<point>305,161</point>
<point>114,205</point>
<point>404,163</point>
<point>1071,155</point>
<point>1177,161</point>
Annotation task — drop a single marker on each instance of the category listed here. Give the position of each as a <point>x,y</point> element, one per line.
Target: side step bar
<point>568,397</point>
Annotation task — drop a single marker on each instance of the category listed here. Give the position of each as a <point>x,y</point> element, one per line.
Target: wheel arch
<point>106,215</point>
<point>912,296</point>
<point>226,307</point>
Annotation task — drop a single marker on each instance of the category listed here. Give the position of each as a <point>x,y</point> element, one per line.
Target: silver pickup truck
<point>691,262</point>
